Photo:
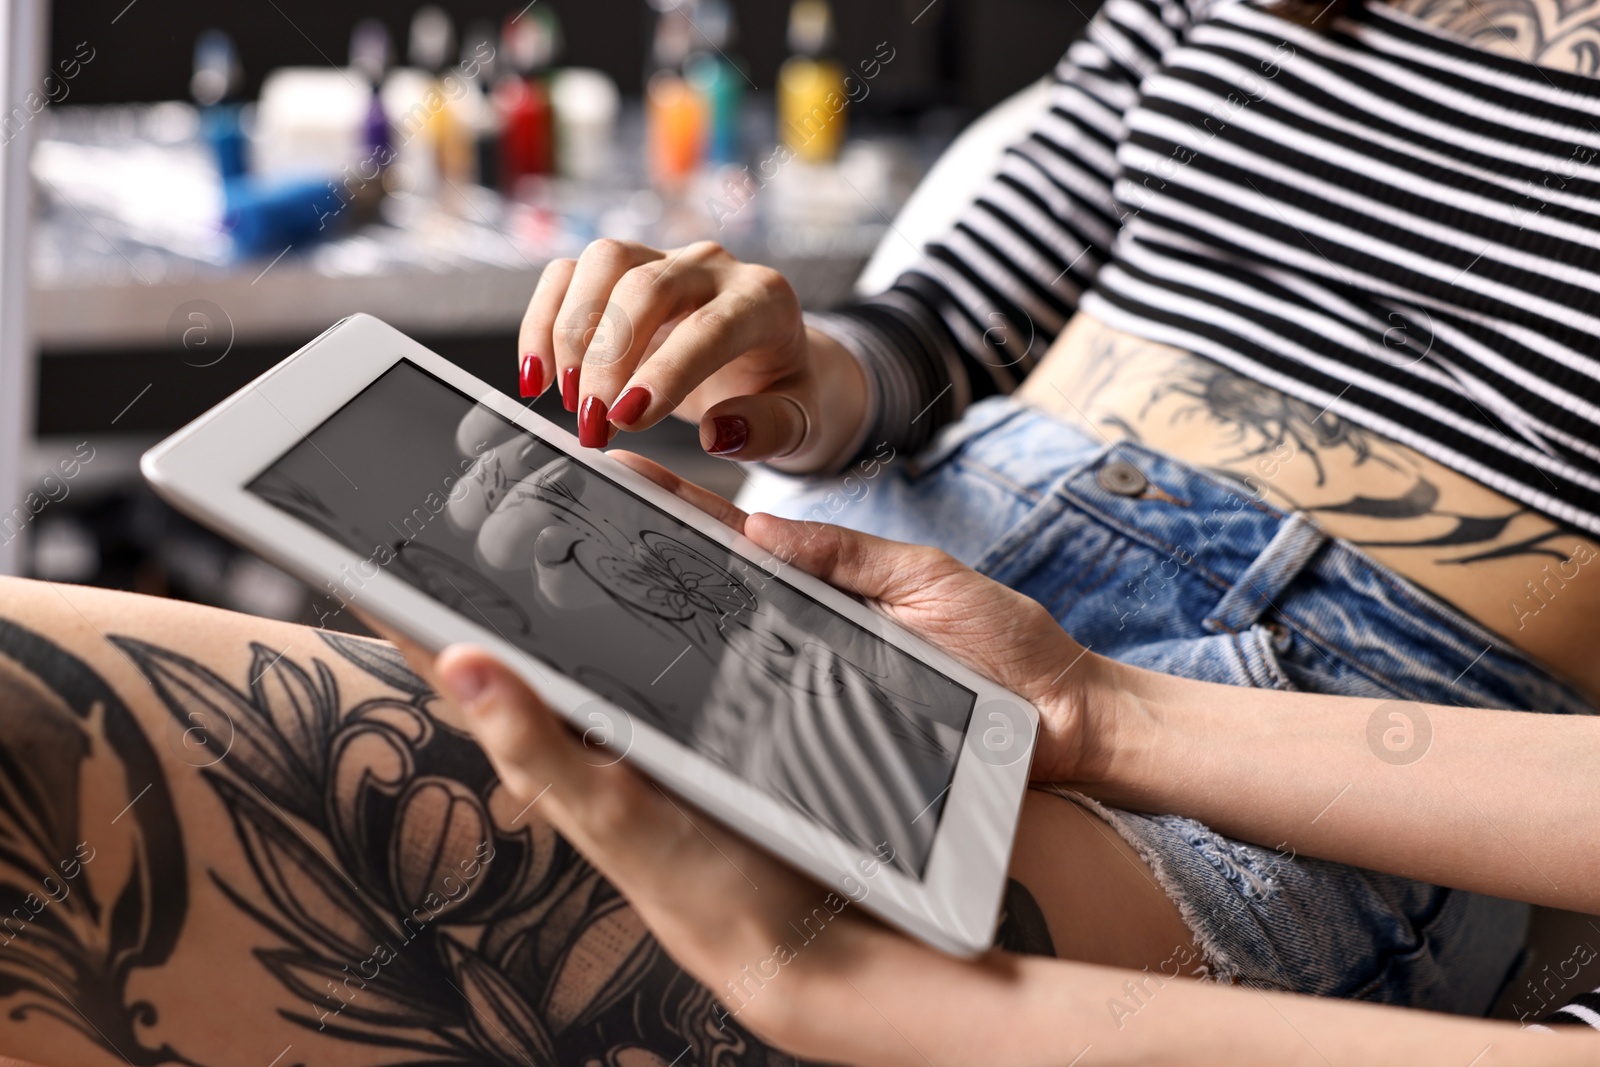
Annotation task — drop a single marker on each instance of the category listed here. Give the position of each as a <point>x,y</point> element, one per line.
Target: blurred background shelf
<point>144,311</point>
<point>294,300</point>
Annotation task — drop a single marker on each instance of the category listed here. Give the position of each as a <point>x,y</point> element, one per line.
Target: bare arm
<point>1010,1010</point>
<point>1495,802</point>
<point>862,994</point>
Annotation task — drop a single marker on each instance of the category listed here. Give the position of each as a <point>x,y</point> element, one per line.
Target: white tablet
<point>410,490</point>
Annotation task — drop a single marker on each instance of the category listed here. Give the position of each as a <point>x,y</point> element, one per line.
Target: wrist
<point>817,1018</point>
<point>1129,727</point>
<point>904,1002</point>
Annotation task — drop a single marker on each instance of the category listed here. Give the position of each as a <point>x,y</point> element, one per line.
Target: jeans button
<point>1123,478</point>
<point>1281,638</point>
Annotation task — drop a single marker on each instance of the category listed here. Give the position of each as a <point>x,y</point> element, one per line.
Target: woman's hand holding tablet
<point>993,629</point>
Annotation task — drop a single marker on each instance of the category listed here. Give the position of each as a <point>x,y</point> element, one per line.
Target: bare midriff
<point>1517,572</point>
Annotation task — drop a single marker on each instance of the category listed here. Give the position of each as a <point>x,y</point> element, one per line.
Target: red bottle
<point>525,142</point>
<point>523,100</point>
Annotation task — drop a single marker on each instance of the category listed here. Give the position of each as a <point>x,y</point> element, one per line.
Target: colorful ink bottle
<point>523,100</point>
<point>716,76</point>
<point>811,92</point>
<point>675,114</point>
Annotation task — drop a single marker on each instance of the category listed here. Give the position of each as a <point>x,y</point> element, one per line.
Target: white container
<point>585,103</point>
<point>410,97</point>
<point>309,120</point>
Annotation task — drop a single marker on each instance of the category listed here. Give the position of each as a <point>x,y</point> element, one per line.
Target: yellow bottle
<point>811,108</point>
<point>452,137</point>
<point>812,102</point>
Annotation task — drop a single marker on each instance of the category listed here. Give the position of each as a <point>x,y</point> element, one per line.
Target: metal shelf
<point>293,299</point>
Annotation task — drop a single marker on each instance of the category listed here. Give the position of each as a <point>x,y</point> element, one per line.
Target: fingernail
<point>630,405</point>
<point>729,433</point>
<point>569,388</point>
<point>466,684</point>
<point>592,429</point>
<point>530,375</point>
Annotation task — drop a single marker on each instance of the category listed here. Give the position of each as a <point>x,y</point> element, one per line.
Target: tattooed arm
<point>225,840</point>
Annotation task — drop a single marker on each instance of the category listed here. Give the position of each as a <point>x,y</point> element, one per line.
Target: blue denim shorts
<point>1154,563</point>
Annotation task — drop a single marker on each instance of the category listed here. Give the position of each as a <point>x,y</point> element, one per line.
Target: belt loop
<point>1258,588</point>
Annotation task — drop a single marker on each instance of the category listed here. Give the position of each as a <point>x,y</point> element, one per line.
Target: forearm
<point>1495,802</point>
<point>903,1005</point>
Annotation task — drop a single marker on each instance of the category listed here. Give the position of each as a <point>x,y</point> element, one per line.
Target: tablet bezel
<point>203,470</point>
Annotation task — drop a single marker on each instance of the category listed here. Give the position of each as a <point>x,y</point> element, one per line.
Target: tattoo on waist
<point>1261,432</point>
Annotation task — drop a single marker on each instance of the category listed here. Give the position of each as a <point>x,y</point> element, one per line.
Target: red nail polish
<point>592,429</point>
<point>530,375</point>
<point>569,388</point>
<point>630,405</point>
<point>729,434</point>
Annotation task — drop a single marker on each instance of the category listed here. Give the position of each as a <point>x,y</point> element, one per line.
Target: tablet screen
<point>656,618</point>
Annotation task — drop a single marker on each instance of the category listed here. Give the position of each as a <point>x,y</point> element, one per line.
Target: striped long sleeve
<point>1583,1011</point>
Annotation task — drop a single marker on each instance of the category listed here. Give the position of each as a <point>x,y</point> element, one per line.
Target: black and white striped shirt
<point>1375,219</point>
<point>1583,1011</point>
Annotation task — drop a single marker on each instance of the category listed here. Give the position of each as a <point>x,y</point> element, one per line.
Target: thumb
<point>762,426</point>
<point>522,737</point>
<point>994,630</point>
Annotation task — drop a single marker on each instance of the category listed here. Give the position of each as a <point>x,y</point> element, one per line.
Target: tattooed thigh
<point>229,841</point>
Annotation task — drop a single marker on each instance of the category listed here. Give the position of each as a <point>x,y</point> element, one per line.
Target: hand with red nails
<point>632,334</point>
